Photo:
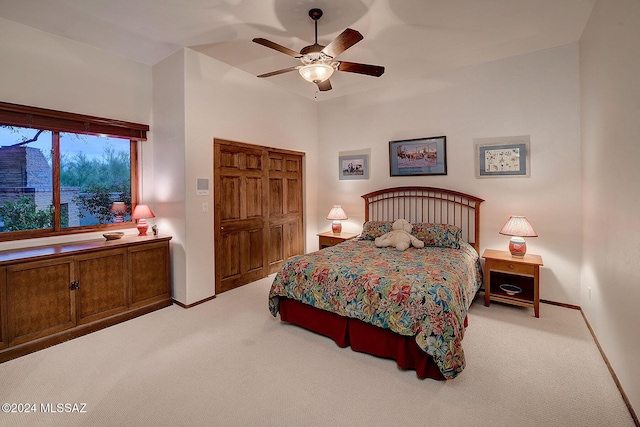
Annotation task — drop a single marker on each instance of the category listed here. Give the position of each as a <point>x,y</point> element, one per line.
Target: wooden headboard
<point>427,204</point>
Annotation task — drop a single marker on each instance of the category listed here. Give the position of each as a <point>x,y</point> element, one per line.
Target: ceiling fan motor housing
<point>312,48</point>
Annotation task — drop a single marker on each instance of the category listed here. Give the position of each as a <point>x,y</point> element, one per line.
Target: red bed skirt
<point>362,337</point>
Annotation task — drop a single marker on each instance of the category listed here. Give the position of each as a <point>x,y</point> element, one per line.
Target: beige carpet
<point>227,362</point>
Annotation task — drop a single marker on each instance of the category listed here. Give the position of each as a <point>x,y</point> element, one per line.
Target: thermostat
<point>202,187</point>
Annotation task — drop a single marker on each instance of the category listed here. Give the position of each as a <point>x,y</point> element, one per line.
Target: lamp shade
<point>142,212</point>
<point>337,213</point>
<point>518,226</point>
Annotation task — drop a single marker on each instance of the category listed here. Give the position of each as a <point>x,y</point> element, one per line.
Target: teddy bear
<point>400,237</point>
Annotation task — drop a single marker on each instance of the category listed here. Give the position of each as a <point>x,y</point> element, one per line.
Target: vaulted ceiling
<point>412,39</point>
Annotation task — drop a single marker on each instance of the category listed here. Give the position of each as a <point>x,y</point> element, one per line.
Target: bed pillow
<point>442,235</point>
<point>374,229</point>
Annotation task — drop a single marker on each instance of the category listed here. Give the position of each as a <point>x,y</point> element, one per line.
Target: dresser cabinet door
<point>4,341</point>
<point>102,284</point>
<point>149,273</point>
<point>40,301</point>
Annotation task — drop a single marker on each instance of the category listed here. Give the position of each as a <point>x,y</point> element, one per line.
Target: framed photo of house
<point>354,166</point>
<point>503,157</point>
<point>422,156</point>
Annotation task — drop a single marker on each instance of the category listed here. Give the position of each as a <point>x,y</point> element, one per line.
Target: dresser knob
<point>511,267</point>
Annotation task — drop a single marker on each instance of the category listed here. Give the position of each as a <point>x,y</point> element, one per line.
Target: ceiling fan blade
<point>276,46</point>
<point>324,86</point>
<point>275,73</point>
<point>344,41</point>
<point>354,67</point>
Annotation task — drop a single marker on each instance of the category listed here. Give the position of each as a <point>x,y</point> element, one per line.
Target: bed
<point>410,306</point>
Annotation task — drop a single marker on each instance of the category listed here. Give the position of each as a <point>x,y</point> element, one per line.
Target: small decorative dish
<point>114,235</point>
<point>510,289</point>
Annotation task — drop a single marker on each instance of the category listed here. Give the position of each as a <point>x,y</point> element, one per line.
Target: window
<point>62,172</point>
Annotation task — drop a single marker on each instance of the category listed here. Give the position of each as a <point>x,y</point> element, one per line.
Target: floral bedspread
<point>418,292</point>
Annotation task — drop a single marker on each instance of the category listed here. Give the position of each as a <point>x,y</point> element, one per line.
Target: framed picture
<point>502,157</point>
<point>354,166</point>
<point>422,156</point>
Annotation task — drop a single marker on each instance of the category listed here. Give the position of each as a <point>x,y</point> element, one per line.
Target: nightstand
<point>523,274</point>
<point>329,238</point>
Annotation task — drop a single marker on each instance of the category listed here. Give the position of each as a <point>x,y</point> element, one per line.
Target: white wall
<point>536,94</point>
<point>169,163</point>
<point>43,70</point>
<point>219,101</point>
<point>610,102</point>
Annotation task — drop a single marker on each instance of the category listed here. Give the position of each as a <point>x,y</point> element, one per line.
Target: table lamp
<point>336,214</point>
<point>518,227</point>
<point>141,213</point>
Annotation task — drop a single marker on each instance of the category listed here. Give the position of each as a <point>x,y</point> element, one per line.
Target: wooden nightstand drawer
<point>329,238</point>
<point>329,241</point>
<point>513,267</point>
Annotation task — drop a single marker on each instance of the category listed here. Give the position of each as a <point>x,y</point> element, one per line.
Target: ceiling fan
<point>318,62</point>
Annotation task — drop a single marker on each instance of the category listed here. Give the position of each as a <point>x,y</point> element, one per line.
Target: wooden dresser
<point>50,294</point>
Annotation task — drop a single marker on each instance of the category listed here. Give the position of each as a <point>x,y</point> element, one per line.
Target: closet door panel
<point>240,215</point>
<point>285,175</point>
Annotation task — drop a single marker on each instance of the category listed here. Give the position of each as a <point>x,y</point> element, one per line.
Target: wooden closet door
<point>285,208</point>
<point>258,211</point>
<point>240,215</point>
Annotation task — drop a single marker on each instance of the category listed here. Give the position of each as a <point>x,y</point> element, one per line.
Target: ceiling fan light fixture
<point>316,73</point>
